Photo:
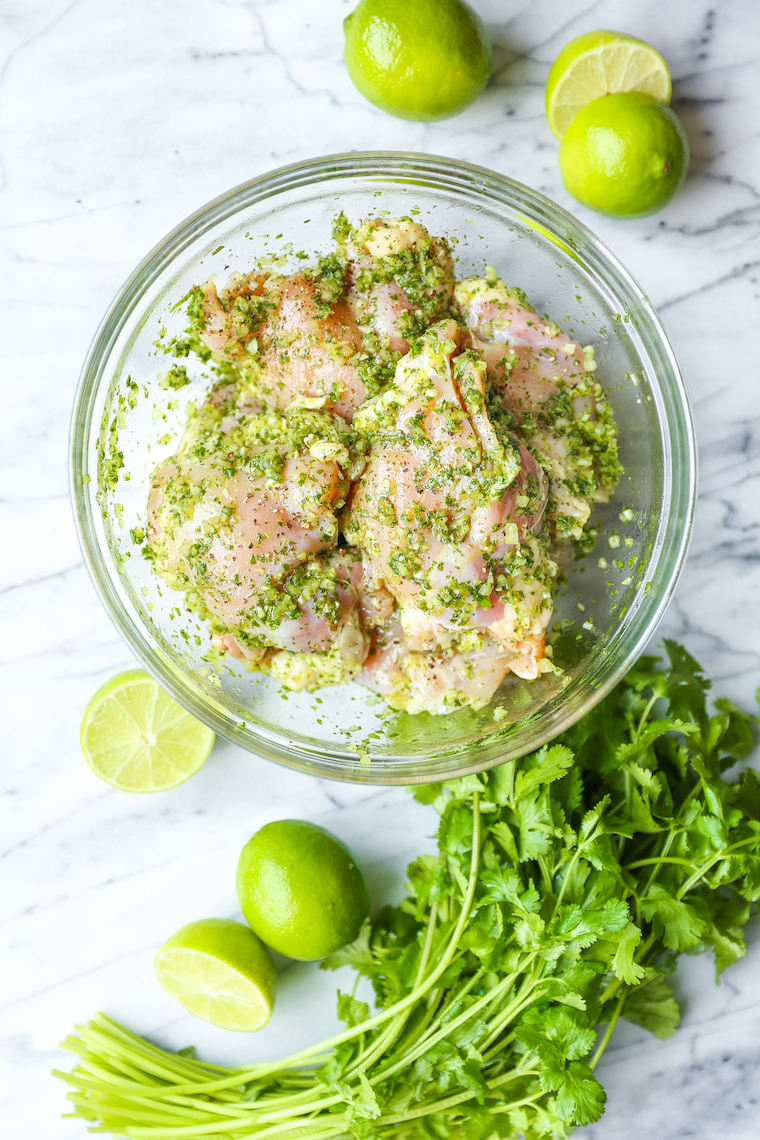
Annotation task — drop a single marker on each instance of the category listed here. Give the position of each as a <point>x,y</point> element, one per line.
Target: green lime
<point>220,971</point>
<point>602,63</point>
<point>423,60</point>
<point>301,889</point>
<point>624,155</point>
<point>135,737</point>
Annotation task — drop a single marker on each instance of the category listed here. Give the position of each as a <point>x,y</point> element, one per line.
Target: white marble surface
<point>116,120</point>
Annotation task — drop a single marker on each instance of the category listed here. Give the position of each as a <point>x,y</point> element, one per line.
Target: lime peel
<point>624,155</point>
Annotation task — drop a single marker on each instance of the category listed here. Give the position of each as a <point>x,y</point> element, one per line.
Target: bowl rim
<point>682,487</point>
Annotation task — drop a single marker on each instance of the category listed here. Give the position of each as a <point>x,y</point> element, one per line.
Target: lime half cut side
<point>220,971</point>
<point>137,738</point>
<point>602,63</point>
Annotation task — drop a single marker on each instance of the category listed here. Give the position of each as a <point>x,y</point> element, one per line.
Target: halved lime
<point>136,738</point>
<point>602,63</point>
<point>220,971</point>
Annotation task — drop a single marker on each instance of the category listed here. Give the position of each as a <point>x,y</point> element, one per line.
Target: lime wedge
<point>136,738</point>
<point>602,63</point>
<point>220,971</point>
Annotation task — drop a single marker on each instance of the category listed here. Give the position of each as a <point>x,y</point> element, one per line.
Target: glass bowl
<point>615,596</point>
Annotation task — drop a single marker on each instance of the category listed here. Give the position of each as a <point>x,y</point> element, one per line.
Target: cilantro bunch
<point>566,885</point>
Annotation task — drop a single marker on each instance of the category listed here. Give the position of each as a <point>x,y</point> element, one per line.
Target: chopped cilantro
<point>329,277</point>
<point>175,378</point>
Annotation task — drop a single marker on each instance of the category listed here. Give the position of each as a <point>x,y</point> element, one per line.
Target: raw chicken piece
<point>248,527</point>
<point>401,279</point>
<point>306,353</point>
<point>530,360</point>
<point>226,320</point>
<point>448,508</point>
<point>288,340</point>
<point>365,604</point>
<point>545,379</point>
<point>341,659</point>
<point>234,539</point>
<point>375,600</point>
<point>444,680</point>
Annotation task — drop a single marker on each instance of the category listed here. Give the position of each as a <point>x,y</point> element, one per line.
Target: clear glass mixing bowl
<point>615,596</point>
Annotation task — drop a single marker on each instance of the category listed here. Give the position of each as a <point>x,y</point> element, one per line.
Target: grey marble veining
<point>116,121</point>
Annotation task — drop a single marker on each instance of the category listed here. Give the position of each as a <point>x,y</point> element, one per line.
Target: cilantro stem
<point>428,943</point>
<point>435,1014</point>
<point>520,1002</point>
<point>580,848</point>
<point>609,1031</point>
<point>453,1102</point>
<point>645,714</point>
<point>369,1056</point>
<point>459,1098</point>
<point>430,1040</point>
<point>546,874</point>
<point>710,863</point>
<point>657,861</point>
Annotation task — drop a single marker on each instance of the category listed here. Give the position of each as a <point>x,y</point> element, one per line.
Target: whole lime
<point>624,155</point>
<point>417,59</point>
<point>301,890</point>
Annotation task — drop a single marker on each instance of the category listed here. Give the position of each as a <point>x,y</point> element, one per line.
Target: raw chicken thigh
<point>545,380</point>
<point>449,510</point>
<point>401,279</point>
<point>245,518</point>
<point>303,346</point>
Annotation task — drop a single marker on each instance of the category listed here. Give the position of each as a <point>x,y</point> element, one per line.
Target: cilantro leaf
<point>727,916</point>
<point>685,685</point>
<point>580,1097</point>
<point>653,1007</point>
<point>482,936</point>
<point>677,923</point>
<point>364,1103</point>
<point>535,824</point>
<point>357,954</point>
<point>351,1011</point>
<point>623,965</point>
<point>551,764</point>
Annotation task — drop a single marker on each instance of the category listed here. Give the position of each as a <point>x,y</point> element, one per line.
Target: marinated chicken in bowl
<point>387,475</point>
